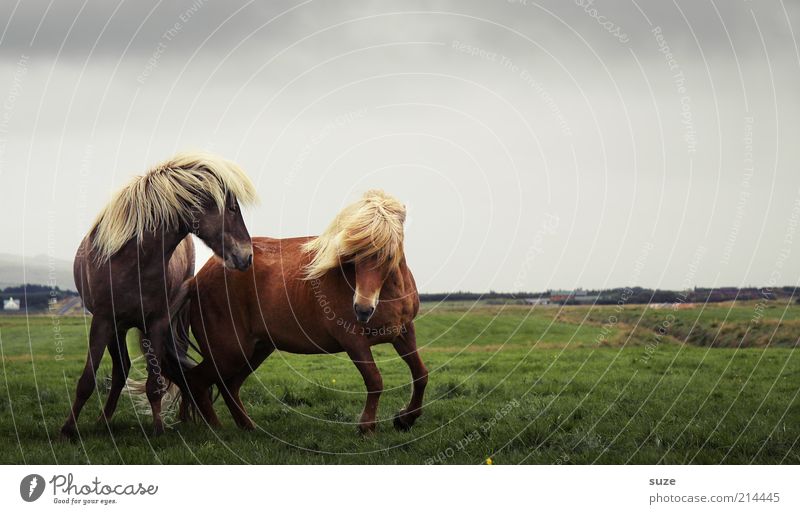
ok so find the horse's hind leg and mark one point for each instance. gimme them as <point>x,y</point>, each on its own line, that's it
<point>121,363</point>
<point>200,379</point>
<point>230,388</point>
<point>100,334</point>
<point>361,355</point>
<point>406,346</point>
<point>153,344</point>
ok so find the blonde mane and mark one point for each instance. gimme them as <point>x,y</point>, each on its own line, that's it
<point>372,226</point>
<point>166,196</point>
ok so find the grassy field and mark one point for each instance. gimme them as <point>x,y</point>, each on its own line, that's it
<point>539,386</point>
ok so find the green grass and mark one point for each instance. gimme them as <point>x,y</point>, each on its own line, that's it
<point>511,383</point>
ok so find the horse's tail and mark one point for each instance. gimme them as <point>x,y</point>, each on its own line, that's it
<point>176,360</point>
<point>137,387</point>
<point>180,309</point>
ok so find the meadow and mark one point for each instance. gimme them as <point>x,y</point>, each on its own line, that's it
<point>510,383</point>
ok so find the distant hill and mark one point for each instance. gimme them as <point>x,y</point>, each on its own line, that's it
<point>39,269</point>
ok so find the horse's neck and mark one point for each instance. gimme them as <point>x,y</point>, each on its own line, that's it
<point>157,247</point>
<point>395,286</point>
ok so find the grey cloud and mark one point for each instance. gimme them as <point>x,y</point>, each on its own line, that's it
<point>488,139</point>
<point>41,26</point>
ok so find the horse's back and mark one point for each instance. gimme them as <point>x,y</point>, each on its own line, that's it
<point>271,301</point>
<point>278,266</point>
<point>288,250</point>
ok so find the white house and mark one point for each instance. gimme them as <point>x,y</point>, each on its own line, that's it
<point>537,301</point>
<point>11,304</point>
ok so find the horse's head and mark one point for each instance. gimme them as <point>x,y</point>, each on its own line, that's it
<point>224,231</point>
<point>368,233</point>
<point>371,274</point>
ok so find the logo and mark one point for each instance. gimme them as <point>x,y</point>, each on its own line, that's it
<point>31,487</point>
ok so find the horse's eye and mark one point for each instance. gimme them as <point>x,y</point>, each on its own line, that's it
<point>232,208</point>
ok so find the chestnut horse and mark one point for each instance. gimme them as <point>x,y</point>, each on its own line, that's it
<point>136,258</point>
<point>343,291</point>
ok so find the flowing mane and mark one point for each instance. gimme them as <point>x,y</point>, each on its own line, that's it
<point>371,226</point>
<point>166,196</point>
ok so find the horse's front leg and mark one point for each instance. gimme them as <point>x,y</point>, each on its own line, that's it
<point>153,345</point>
<point>406,347</point>
<point>361,355</point>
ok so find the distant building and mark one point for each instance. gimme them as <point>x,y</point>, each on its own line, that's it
<point>537,301</point>
<point>561,296</point>
<point>576,296</point>
<point>11,304</point>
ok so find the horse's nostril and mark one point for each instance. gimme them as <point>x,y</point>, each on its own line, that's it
<point>363,313</point>
<point>242,263</point>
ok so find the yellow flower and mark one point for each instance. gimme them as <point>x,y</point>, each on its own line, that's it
<point>333,381</point>
<point>489,461</point>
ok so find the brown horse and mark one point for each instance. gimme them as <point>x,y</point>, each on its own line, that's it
<point>343,291</point>
<point>135,259</point>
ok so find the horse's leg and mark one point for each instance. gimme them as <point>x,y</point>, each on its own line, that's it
<point>361,355</point>
<point>121,362</point>
<point>406,346</point>
<point>100,333</point>
<point>200,379</point>
<point>230,388</point>
<point>153,344</point>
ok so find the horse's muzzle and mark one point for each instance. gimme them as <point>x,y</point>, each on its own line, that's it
<point>363,314</point>
<point>242,262</point>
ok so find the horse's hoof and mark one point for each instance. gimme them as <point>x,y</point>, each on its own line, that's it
<point>367,429</point>
<point>249,426</point>
<point>67,433</point>
<point>403,421</point>
<point>158,429</point>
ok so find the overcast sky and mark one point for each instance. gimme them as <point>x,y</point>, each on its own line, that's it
<point>537,145</point>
